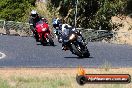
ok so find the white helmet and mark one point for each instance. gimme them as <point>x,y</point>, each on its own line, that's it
<point>33,13</point>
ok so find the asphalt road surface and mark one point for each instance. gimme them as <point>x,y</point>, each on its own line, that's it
<point>25,52</point>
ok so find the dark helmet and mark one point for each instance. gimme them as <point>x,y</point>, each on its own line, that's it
<point>34,13</point>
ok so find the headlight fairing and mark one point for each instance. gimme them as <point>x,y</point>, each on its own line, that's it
<point>57,28</point>
<point>73,36</point>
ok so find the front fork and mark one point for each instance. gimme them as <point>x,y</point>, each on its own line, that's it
<point>80,46</point>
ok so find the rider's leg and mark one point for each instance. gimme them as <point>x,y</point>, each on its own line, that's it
<point>64,42</point>
<point>35,35</point>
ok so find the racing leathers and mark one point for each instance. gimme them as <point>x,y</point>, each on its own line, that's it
<point>32,22</point>
<point>66,29</point>
<point>56,25</point>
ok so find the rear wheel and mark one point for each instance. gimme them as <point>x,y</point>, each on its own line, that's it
<point>50,40</point>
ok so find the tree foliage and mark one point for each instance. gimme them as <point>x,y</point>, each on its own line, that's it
<point>129,7</point>
<point>14,10</point>
<point>91,13</point>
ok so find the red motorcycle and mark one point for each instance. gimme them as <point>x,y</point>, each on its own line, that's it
<point>44,33</point>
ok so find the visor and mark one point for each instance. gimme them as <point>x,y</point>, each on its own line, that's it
<point>33,15</point>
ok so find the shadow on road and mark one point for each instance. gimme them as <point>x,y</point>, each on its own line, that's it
<point>77,57</point>
<point>39,44</point>
<point>45,44</point>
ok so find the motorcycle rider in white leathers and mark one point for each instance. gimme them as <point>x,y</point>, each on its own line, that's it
<point>66,29</point>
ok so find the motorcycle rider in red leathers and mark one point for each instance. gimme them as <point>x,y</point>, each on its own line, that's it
<point>34,18</point>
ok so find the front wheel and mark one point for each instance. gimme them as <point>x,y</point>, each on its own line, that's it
<point>59,39</point>
<point>86,53</point>
<point>76,50</point>
<point>43,41</point>
<point>50,40</point>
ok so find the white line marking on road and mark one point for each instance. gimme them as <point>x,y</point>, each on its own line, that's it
<point>2,55</point>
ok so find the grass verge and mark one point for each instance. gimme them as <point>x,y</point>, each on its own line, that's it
<point>54,77</point>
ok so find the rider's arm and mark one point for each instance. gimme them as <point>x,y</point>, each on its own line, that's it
<point>31,24</point>
<point>43,19</point>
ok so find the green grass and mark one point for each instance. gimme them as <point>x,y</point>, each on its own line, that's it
<point>54,80</point>
<point>43,82</point>
<point>50,82</point>
<point>3,83</point>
